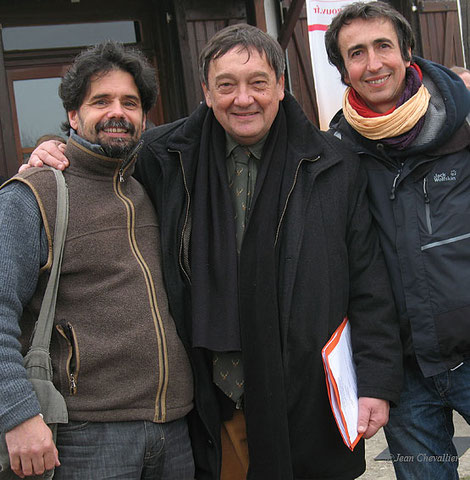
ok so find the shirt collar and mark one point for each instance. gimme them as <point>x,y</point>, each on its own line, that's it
<point>91,146</point>
<point>255,149</point>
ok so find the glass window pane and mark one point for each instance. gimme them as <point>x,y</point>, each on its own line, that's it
<point>39,109</point>
<point>63,36</point>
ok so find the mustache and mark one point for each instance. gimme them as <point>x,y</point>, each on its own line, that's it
<point>115,124</point>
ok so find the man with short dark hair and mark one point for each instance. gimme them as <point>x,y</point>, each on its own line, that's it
<point>406,118</point>
<point>116,355</point>
<point>267,245</point>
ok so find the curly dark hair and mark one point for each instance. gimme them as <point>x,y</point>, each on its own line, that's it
<point>246,37</point>
<point>101,59</point>
<point>367,11</point>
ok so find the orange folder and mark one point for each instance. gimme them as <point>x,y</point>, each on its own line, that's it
<point>341,383</point>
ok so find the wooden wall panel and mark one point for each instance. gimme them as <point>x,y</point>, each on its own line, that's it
<point>198,21</point>
<point>300,75</point>
<point>199,32</point>
<point>465,12</point>
<point>440,32</point>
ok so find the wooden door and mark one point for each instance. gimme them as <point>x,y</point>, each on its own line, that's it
<point>299,74</point>
<point>198,21</point>
<point>39,41</point>
<point>441,39</point>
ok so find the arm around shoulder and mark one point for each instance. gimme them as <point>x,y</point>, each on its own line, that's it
<point>49,153</point>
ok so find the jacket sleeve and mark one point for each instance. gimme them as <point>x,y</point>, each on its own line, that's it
<point>372,313</point>
<point>147,170</point>
<point>21,238</point>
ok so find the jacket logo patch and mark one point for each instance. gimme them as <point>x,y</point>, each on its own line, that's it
<point>445,177</point>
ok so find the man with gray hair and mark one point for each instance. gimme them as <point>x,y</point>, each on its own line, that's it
<point>267,245</point>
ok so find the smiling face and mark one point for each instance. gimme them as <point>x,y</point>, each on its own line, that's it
<point>111,113</point>
<point>244,94</point>
<point>374,64</point>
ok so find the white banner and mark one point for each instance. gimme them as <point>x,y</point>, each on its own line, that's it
<point>328,85</point>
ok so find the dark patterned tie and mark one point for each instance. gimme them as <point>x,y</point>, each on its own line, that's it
<point>228,374</point>
<point>228,367</point>
<point>241,191</point>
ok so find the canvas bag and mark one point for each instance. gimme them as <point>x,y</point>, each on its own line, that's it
<point>37,361</point>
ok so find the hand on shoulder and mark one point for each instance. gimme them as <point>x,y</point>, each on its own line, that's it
<point>49,153</point>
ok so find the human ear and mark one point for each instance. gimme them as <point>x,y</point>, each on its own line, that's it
<point>207,95</point>
<point>73,118</point>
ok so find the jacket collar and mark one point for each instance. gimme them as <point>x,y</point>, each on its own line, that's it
<point>305,141</point>
<point>85,161</point>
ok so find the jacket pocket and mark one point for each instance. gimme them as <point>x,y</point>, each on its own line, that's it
<point>72,365</point>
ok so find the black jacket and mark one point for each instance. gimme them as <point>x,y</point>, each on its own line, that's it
<point>420,201</point>
<point>331,266</point>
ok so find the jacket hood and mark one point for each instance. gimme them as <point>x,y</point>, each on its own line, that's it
<point>446,88</point>
<point>448,108</point>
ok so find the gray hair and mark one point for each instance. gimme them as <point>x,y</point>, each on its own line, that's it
<point>246,37</point>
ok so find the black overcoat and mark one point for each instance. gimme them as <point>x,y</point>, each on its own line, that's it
<point>330,266</point>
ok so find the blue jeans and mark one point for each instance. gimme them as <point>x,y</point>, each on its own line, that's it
<point>420,430</point>
<point>124,450</point>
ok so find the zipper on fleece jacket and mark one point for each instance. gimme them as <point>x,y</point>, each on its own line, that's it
<point>72,365</point>
<point>162,387</point>
<point>129,159</point>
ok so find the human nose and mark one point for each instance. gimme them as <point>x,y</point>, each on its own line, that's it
<point>243,96</point>
<point>115,110</point>
<point>374,61</point>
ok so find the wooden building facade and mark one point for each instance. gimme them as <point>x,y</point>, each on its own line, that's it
<point>40,38</point>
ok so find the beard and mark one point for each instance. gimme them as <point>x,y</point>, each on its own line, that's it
<point>117,147</point>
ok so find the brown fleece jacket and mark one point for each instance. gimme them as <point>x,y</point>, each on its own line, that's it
<point>115,350</point>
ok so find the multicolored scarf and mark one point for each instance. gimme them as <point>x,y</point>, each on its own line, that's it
<point>397,127</point>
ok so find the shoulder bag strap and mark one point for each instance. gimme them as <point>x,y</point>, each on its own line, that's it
<point>43,330</point>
